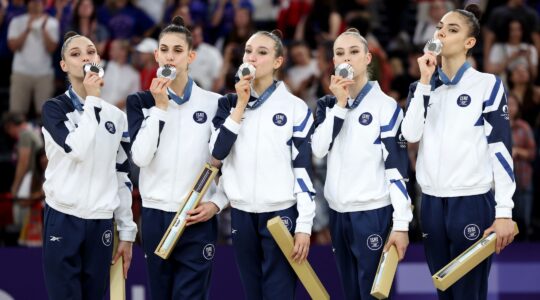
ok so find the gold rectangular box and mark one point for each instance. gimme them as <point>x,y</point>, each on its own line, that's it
<point>385,274</point>
<point>304,271</point>
<point>466,261</point>
<point>178,224</point>
<point>116,274</point>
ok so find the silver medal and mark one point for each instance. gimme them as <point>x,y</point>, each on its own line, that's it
<point>344,70</point>
<point>93,67</point>
<point>166,71</point>
<point>434,46</point>
<point>246,69</point>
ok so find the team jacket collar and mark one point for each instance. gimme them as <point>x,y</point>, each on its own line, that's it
<point>75,99</point>
<point>187,93</point>
<point>352,104</point>
<point>445,80</point>
<point>256,100</point>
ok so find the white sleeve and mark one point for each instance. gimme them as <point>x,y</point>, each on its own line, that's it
<point>146,142</point>
<point>413,123</point>
<point>327,130</point>
<point>127,229</point>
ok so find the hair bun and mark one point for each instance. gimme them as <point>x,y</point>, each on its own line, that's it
<point>277,33</point>
<point>69,34</point>
<point>178,21</point>
<point>475,10</point>
<point>352,29</point>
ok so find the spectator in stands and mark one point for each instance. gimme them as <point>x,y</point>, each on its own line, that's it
<point>223,15</point>
<point>8,11</point>
<point>145,61</point>
<point>62,11</point>
<point>124,20</point>
<point>528,95</point>
<point>33,37</point>
<point>507,55</point>
<point>28,144</point>
<point>425,28</point>
<point>500,18</point>
<point>322,23</point>
<point>523,153</point>
<point>121,79</point>
<point>290,14</point>
<point>234,49</point>
<point>193,12</point>
<point>206,67</point>
<point>302,75</point>
<point>85,21</point>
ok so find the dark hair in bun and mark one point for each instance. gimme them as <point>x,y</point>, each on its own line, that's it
<point>68,37</point>
<point>178,21</point>
<point>69,34</point>
<point>275,35</point>
<point>471,13</point>
<point>178,26</point>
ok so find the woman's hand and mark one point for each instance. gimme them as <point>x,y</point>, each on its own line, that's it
<point>202,213</point>
<point>158,88</point>
<point>301,247</point>
<point>339,86</point>
<point>124,251</point>
<point>92,84</point>
<point>401,240</point>
<point>427,64</point>
<point>504,229</point>
<point>243,90</point>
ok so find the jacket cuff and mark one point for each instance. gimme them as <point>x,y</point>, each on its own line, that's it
<point>220,200</point>
<point>503,212</point>
<point>127,236</point>
<point>400,226</point>
<point>232,125</point>
<point>424,89</point>
<point>339,111</point>
<point>303,227</point>
<point>158,113</point>
<point>93,101</point>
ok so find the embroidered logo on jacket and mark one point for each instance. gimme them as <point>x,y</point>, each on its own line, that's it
<point>287,221</point>
<point>374,242</point>
<point>471,232</point>
<point>505,113</point>
<point>402,142</point>
<point>110,127</point>
<point>208,251</point>
<point>464,100</point>
<point>200,117</point>
<point>365,119</point>
<point>107,238</point>
<point>279,119</point>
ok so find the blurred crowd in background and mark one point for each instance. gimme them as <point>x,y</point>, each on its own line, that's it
<point>125,33</point>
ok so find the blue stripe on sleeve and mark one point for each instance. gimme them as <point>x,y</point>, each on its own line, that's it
<point>480,121</point>
<point>392,123</point>
<point>401,187</point>
<point>302,185</point>
<point>505,165</point>
<point>491,99</point>
<point>304,122</point>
